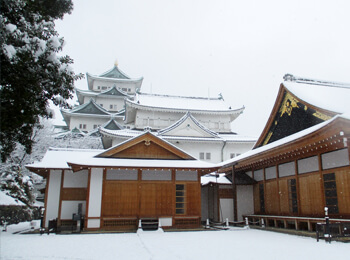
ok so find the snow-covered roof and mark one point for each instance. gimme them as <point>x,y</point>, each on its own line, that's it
<point>182,103</point>
<point>114,91</point>
<point>113,75</point>
<point>90,107</point>
<point>115,72</point>
<point>6,200</point>
<point>146,163</point>
<point>61,158</point>
<point>127,133</point>
<point>283,141</point>
<point>214,178</point>
<point>327,95</point>
<point>57,158</point>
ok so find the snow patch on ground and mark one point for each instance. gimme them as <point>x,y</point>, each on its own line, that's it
<point>230,244</point>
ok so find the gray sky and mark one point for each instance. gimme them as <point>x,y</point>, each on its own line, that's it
<point>241,49</point>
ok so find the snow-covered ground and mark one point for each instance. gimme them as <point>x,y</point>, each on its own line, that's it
<point>230,244</point>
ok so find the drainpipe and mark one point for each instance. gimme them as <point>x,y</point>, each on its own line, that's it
<point>222,151</point>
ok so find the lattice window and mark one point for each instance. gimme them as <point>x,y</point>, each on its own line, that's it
<point>180,207</point>
<point>262,198</point>
<point>293,197</point>
<point>330,193</point>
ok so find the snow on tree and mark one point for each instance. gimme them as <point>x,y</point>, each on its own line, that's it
<point>32,73</point>
<point>18,181</point>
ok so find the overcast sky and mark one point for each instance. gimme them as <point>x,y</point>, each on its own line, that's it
<point>241,49</point>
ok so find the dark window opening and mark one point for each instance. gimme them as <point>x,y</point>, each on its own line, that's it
<point>293,196</point>
<point>330,193</point>
<point>262,199</point>
<point>180,198</point>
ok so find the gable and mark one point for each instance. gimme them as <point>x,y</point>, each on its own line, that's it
<point>90,108</point>
<point>114,73</point>
<point>290,115</point>
<point>146,146</point>
<point>188,126</point>
<point>114,92</point>
<point>113,125</point>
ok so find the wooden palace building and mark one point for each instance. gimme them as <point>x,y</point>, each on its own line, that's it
<point>144,179</point>
<point>300,163</point>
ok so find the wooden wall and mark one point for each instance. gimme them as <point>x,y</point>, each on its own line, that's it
<point>310,193</point>
<point>142,199</point>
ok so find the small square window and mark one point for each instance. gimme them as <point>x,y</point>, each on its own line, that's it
<point>110,106</point>
<point>208,156</point>
<point>232,155</point>
<point>201,156</point>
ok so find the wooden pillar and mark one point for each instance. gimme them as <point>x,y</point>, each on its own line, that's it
<point>321,179</point>
<point>87,199</point>
<point>234,189</point>
<point>60,202</point>
<point>297,186</point>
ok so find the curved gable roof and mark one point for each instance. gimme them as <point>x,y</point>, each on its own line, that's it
<point>303,103</point>
<point>187,126</point>
<point>114,91</point>
<point>90,108</point>
<point>112,125</point>
<point>115,73</point>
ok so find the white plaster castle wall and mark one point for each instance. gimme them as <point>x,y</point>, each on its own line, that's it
<point>245,202</point>
<point>217,123</point>
<point>89,121</point>
<point>160,120</point>
<point>128,87</point>
<point>155,119</point>
<point>53,195</point>
<point>237,149</point>
<point>95,196</point>
<point>117,103</point>
<point>75,179</point>
<point>70,207</point>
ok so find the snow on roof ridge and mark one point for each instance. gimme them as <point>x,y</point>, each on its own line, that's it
<point>178,96</point>
<point>59,149</point>
<point>290,77</point>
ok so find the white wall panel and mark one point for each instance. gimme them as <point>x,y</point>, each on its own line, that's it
<point>95,196</point>
<point>53,195</point>
<point>93,223</point>
<point>70,207</point>
<point>226,209</point>
<point>245,201</point>
<point>75,179</point>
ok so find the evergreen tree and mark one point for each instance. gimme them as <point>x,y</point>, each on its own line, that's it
<point>32,73</point>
